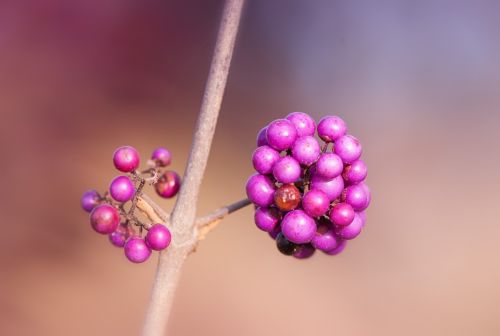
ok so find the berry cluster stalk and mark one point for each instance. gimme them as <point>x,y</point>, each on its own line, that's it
<point>184,228</point>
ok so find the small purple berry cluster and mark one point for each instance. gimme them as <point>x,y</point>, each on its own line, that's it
<point>113,213</point>
<point>308,195</point>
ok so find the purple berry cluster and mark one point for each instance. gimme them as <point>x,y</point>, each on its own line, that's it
<point>308,195</point>
<point>113,213</point>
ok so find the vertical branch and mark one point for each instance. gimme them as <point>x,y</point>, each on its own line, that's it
<point>183,216</point>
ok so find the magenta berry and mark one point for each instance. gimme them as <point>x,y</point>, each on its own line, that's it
<point>315,203</point>
<point>281,134</point>
<point>120,235</point>
<point>161,156</point>
<point>121,189</point>
<point>158,237</point>
<point>260,190</point>
<point>126,159</point>
<point>348,148</point>
<point>342,214</point>
<point>286,170</point>
<point>267,219</point>
<point>264,158</point>
<point>331,128</point>
<point>352,230</point>
<point>298,227</point>
<point>319,192</point>
<point>304,124</point>
<point>168,185</point>
<point>90,199</point>
<point>306,150</point>
<point>329,166</point>
<point>104,218</point>
<point>136,250</point>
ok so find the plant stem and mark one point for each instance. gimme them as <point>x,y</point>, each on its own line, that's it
<point>183,216</point>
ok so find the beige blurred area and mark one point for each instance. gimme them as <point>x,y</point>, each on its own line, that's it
<point>417,82</point>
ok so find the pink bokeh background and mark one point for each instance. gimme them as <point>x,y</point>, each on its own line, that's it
<point>417,82</point>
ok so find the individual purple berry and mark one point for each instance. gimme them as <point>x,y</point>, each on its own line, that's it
<point>304,124</point>
<point>281,134</point>
<point>120,235</point>
<point>355,172</point>
<point>304,251</point>
<point>341,246</point>
<point>284,245</point>
<point>325,238</point>
<point>298,227</point>
<point>352,230</point>
<point>261,137</point>
<point>315,203</point>
<point>357,196</point>
<point>329,165</point>
<point>161,156</point>
<point>158,237</point>
<point>332,188</point>
<point>264,158</point>
<point>168,185</point>
<point>126,159</point>
<point>90,199</point>
<point>342,214</point>
<point>104,218</point>
<point>331,128</point>
<point>267,219</point>
<point>274,232</point>
<point>306,150</point>
<point>286,170</point>
<point>136,250</point>
<point>121,189</point>
<point>287,197</point>
<point>260,190</point>
<point>348,148</point>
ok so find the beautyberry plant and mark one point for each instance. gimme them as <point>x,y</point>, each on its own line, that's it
<point>309,191</point>
<point>113,212</point>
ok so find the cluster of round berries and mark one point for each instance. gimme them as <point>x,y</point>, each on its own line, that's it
<point>308,196</point>
<point>113,214</point>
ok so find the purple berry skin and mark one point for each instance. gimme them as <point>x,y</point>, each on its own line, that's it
<point>355,172</point>
<point>331,128</point>
<point>298,227</point>
<point>329,165</point>
<point>304,251</point>
<point>121,189</point>
<point>332,188</point>
<point>261,137</point>
<point>260,190</point>
<point>161,156</point>
<point>275,232</point>
<point>126,159</point>
<point>281,134</point>
<point>352,230</point>
<point>358,196</point>
<point>267,219</point>
<point>120,235</point>
<point>168,185</point>
<point>315,203</point>
<point>287,170</point>
<point>325,238</point>
<point>306,150</point>
<point>104,218</point>
<point>158,237</point>
<point>337,249</point>
<point>342,214</point>
<point>264,158</point>
<point>304,124</point>
<point>136,250</point>
<point>90,199</point>
<point>348,148</point>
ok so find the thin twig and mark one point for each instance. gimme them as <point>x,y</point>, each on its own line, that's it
<point>183,216</point>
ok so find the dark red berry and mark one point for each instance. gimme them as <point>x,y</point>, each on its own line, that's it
<point>287,197</point>
<point>284,245</point>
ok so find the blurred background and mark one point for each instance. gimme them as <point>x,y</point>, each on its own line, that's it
<point>417,82</point>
